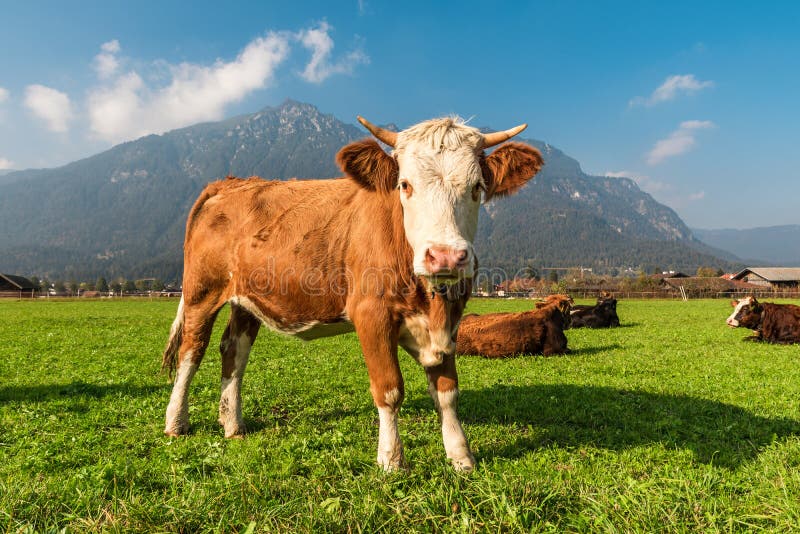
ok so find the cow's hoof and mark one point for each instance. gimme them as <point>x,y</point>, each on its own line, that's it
<point>236,433</point>
<point>464,464</point>
<point>391,464</point>
<point>176,432</point>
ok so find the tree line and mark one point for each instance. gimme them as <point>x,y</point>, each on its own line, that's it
<point>118,286</point>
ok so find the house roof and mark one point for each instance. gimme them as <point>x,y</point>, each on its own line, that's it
<point>19,282</point>
<point>772,274</point>
<point>668,274</point>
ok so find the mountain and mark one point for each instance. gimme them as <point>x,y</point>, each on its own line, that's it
<point>573,219</point>
<point>122,212</point>
<point>779,245</point>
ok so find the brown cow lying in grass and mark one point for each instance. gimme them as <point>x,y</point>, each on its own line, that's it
<point>773,323</point>
<point>499,335</point>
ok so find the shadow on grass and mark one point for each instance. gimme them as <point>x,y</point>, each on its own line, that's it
<point>619,419</point>
<point>73,389</point>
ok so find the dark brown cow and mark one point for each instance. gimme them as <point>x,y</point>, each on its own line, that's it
<point>386,251</point>
<point>773,323</point>
<point>500,335</point>
<point>600,315</point>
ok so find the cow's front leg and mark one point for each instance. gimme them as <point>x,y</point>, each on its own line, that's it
<point>378,337</point>
<point>235,350</point>
<point>443,388</point>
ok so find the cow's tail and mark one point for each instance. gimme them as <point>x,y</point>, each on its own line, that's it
<point>170,358</point>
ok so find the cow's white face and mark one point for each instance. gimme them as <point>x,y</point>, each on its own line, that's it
<point>441,174</point>
<point>733,320</point>
<point>440,187</point>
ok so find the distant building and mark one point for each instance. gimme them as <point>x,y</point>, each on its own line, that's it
<point>776,278</point>
<point>668,274</point>
<point>706,286</point>
<point>16,286</point>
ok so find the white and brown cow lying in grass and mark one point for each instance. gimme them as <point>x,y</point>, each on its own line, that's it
<point>367,252</point>
<point>774,323</point>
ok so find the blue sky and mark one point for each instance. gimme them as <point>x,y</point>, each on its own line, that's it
<point>696,101</point>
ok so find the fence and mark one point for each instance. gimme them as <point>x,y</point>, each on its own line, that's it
<point>669,294</point>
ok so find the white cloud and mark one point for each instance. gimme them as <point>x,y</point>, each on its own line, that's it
<point>671,88</point>
<point>50,105</point>
<point>125,107</point>
<point>319,68</point>
<point>3,94</point>
<point>678,142</point>
<point>6,164</point>
<point>700,195</point>
<point>106,62</point>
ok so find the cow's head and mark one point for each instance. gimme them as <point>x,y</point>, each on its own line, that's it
<point>441,173</point>
<point>562,302</point>
<point>608,307</point>
<point>746,313</point>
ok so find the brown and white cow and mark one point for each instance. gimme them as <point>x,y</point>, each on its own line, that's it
<point>385,251</point>
<point>773,323</point>
<point>500,335</point>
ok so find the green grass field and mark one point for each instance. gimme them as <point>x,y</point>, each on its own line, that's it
<point>669,423</point>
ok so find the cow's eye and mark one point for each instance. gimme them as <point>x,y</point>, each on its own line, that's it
<point>476,192</point>
<point>405,187</point>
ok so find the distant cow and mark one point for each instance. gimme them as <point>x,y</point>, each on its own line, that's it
<point>773,323</point>
<point>601,315</point>
<point>386,251</point>
<point>499,335</point>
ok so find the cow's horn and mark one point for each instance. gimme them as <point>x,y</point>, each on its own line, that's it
<point>388,137</point>
<point>498,137</point>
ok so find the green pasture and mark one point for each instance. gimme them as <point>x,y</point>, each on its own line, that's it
<point>669,423</point>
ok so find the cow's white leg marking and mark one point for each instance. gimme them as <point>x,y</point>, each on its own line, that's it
<point>390,449</point>
<point>455,442</point>
<point>230,400</point>
<point>177,420</point>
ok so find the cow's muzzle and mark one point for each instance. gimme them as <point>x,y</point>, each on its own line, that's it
<point>447,262</point>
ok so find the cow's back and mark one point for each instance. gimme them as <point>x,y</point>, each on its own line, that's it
<point>498,335</point>
<point>265,240</point>
<point>781,323</point>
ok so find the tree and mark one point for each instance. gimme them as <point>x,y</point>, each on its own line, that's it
<point>116,287</point>
<point>129,286</point>
<point>553,277</point>
<point>707,272</point>
<point>101,285</point>
<point>157,285</point>
<point>35,282</point>
<point>60,287</point>
<point>72,287</point>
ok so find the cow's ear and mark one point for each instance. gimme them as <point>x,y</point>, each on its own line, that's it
<point>367,163</point>
<point>734,303</point>
<point>510,167</point>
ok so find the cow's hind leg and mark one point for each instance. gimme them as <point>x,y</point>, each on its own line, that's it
<point>443,388</point>
<point>197,326</point>
<point>235,350</point>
